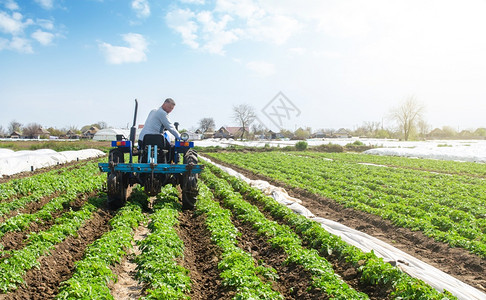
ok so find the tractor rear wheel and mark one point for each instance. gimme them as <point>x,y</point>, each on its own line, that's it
<point>117,183</point>
<point>189,182</point>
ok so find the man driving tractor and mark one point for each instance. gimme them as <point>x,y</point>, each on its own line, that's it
<point>158,120</point>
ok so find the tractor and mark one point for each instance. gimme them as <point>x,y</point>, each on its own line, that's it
<point>158,164</point>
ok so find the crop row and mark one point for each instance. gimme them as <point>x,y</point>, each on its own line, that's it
<point>157,264</point>
<point>323,276</point>
<point>238,270</point>
<point>73,190</point>
<point>34,188</point>
<point>15,263</point>
<point>94,272</point>
<point>48,182</point>
<point>372,270</point>
<point>448,208</point>
<point>442,166</point>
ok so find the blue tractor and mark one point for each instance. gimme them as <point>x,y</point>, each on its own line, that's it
<point>158,164</point>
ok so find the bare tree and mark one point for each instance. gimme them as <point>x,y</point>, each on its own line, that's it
<point>101,125</point>
<point>3,132</point>
<point>14,126</point>
<point>206,124</point>
<point>423,128</point>
<point>244,114</point>
<point>32,130</point>
<point>407,116</point>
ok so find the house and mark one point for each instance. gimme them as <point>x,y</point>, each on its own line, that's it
<point>319,135</point>
<point>208,134</point>
<point>236,132</point>
<point>71,135</point>
<point>15,135</point>
<point>41,133</point>
<point>222,133</point>
<point>342,133</point>
<point>230,132</point>
<point>90,132</point>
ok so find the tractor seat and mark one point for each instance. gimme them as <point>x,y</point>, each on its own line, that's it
<point>156,139</point>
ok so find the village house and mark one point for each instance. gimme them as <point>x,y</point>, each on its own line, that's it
<point>89,134</point>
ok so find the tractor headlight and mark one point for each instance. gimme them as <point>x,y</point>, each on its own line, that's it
<point>184,136</point>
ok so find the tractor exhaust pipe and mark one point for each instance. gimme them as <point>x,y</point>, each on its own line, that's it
<point>133,130</point>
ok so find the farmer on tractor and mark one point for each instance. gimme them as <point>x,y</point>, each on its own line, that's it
<point>158,120</point>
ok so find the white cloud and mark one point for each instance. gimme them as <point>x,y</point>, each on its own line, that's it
<point>43,37</point>
<point>215,33</point>
<point>141,8</point>
<point>199,2</point>
<point>181,21</point>
<point>13,24</point>
<point>134,53</point>
<point>21,45</point>
<point>46,4</point>
<point>261,68</point>
<point>230,21</point>
<point>12,5</point>
<point>46,24</point>
<point>276,29</point>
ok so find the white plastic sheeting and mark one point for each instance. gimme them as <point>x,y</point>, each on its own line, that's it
<point>457,152</point>
<point>409,264</point>
<point>109,134</point>
<point>12,162</point>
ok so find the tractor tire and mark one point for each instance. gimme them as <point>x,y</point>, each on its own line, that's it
<point>117,184</point>
<point>189,182</point>
<point>190,157</point>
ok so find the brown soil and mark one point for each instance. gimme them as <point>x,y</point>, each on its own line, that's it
<point>127,286</point>
<point>457,262</point>
<point>293,282</point>
<point>201,258</point>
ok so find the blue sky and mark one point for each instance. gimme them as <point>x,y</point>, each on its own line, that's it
<point>334,63</point>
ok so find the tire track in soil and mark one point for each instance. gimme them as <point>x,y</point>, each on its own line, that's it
<point>457,262</point>
<point>201,258</point>
<point>43,283</point>
<point>127,286</point>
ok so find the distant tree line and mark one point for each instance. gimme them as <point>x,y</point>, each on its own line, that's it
<point>407,119</point>
<point>34,130</point>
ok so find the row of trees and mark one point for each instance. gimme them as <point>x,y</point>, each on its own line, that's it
<point>408,119</point>
<point>32,129</point>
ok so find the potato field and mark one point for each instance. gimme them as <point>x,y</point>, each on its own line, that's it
<point>59,240</point>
